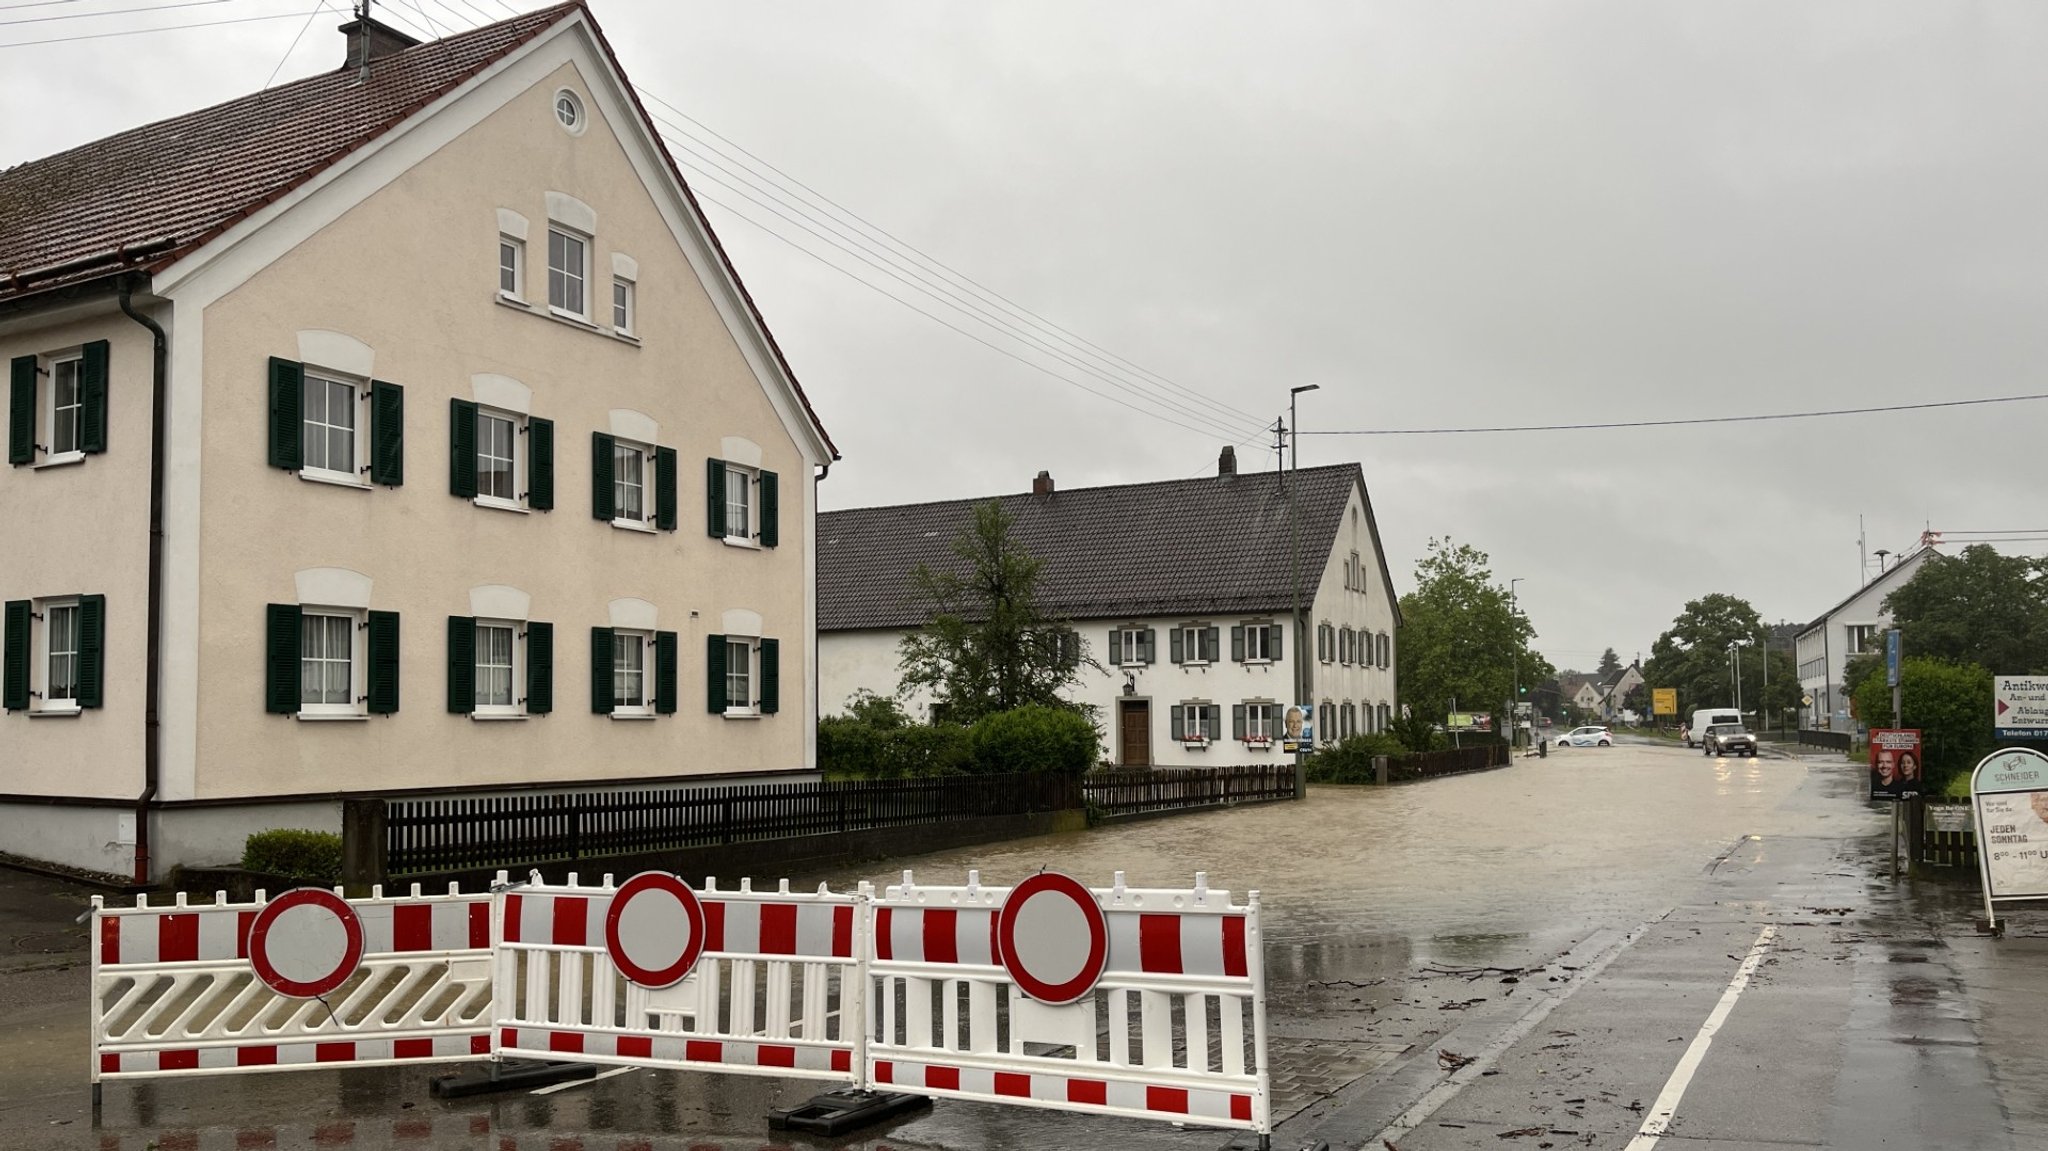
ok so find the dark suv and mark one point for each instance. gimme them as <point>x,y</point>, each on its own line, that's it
<point>1728,739</point>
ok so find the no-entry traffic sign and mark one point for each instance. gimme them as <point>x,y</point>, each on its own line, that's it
<point>1053,937</point>
<point>306,943</point>
<point>655,929</point>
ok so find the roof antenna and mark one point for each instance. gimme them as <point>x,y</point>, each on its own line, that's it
<point>363,14</point>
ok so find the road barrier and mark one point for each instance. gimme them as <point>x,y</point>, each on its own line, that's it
<point>1118,1001</point>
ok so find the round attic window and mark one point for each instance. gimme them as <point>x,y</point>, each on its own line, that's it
<point>569,112</point>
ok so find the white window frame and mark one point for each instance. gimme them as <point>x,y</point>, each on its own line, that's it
<point>1858,643</point>
<point>1256,636</point>
<point>1191,644</point>
<point>578,120</point>
<point>40,678</point>
<point>645,521</point>
<point>358,704</point>
<point>645,708</point>
<point>1189,724</point>
<point>358,389</point>
<point>517,500</point>
<point>624,305</point>
<point>517,248</point>
<point>515,704</point>
<point>1130,646</point>
<point>752,671</point>
<point>747,481</point>
<point>51,455</point>
<point>1260,721</point>
<point>581,273</point>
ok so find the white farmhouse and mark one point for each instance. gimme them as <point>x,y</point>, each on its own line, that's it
<point>1850,628</point>
<point>1184,590</point>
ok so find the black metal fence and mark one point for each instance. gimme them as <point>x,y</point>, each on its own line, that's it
<point>432,836</point>
<point>1832,740</point>
<point>1137,790</point>
<point>1424,764</point>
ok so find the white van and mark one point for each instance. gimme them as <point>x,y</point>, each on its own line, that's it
<point>1707,717</point>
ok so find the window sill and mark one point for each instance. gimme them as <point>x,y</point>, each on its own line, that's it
<point>634,526</point>
<point>60,460</point>
<point>741,542</point>
<point>625,337</point>
<point>333,479</point>
<point>1194,663</point>
<point>55,712</point>
<point>498,505</point>
<point>481,717</point>
<point>626,715</point>
<point>351,717</point>
<point>505,297</point>
<point>567,319</point>
<point>741,713</point>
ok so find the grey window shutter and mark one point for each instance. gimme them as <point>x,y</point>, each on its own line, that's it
<point>21,412</point>
<point>1237,721</point>
<point>771,510</point>
<point>383,669</point>
<point>540,464</point>
<point>1175,644</point>
<point>92,400</point>
<point>601,693</point>
<point>665,672</point>
<point>281,658</point>
<point>665,489</point>
<point>14,665</point>
<point>540,668</point>
<point>1273,641</point>
<point>1237,643</point>
<point>771,676</point>
<point>462,449</point>
<point>461,665</point>
<point>1116,656</point>
<point>714,669</point>
<point>1212,645</point>
<point>92,650</point>
<point>601,476</point>
<point>287,420</point>
<point>387,434</point>
<point>1146,652</point>
<point>1212,725</point>
<point>1179,722</point>
<point>714,500</point>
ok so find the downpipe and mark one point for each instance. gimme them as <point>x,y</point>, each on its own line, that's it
<point>152,671</point>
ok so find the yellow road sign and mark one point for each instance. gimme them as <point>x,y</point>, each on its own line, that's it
<point>1664,700</point>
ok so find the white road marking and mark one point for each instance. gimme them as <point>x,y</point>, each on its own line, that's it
<point>1659,1119</point>
<point>551,1088</point>
<point>1464,1076</point>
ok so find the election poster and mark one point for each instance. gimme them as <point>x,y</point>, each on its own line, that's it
<point>1897,765</point>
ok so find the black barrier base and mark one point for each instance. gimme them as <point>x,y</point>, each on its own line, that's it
<point>1250,1142</point>
<point>837,1112</point>
<point>510,1075</point>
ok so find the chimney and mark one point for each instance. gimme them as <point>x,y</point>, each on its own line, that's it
<point>1226,464</point>
<point>1042,486</point>
<point>380,40</point>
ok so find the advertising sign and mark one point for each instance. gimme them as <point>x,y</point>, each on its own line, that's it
<point>2009,791</point>
<point>1298,732</point>
<point>2020,710</point>
<point>1896,763</point>
<point>1664,700</point>
<point>1469,721</point>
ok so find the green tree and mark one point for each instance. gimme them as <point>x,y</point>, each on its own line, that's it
<point>1949,702</point>
<point>1610,666</point>
<point>1978,607</point>
<point>1461,637</point>
<point>989,647</point>
<point>1692,655</point>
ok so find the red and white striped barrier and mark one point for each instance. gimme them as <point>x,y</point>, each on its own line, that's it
<point>302,979</point>
<point>1070,973</point>
<point>651,973</point>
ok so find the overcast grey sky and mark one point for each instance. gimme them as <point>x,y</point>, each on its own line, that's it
<point>1444,214</point>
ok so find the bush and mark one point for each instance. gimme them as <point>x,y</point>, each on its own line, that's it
<point>877,741</point>
<point>925,750</point>
<point>1351,760</point>
<point>1034,739</point>
<point>1948,702</point>
<point>313,856</point>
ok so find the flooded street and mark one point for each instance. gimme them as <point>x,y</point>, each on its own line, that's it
<point>1521,954</point>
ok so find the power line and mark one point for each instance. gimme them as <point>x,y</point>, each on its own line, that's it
<point>112,12</point>
<point>162,28</point>
<point>295,43</point>
<point>1685,422</point>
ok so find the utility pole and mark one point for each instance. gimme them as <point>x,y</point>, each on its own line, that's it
<point>1301,689</point>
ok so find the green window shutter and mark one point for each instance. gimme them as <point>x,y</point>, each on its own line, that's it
<point>462,449</point>
<point>14,665</point>
<point>461,664</point>
<point>1237,721</point>
<point>714,500</point>
<point>387,434</point>
<point>771,509</point>
<point>21,412</point>
<point>1175,644</point>
<point>1115,648</point>
<point>540,465</point>
<point>92,400</point>
<point>1179,724</point>
<point>281,658</point>
<point>540,668</point>
<point>601,505</point>
<point>1146,649</point>
<point>1274,641</point>
<point>287,421</point>
<point>92,650</point>
<point>714,667</point>
<point>1237,644</point>
<point>665,673</point>
<point>665,489</point>
<point>383,657</point>
<point>601,670</point>
<point>1212,649</point>
<point>771,676</point>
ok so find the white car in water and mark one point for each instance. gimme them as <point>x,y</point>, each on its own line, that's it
<point>1586,737</point>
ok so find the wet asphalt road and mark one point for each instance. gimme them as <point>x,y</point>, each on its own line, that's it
<point>1517,958</point>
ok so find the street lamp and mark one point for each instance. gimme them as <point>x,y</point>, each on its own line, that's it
<point>1735,664</point>
<point>1514,726</point>
<point>1301,690</point>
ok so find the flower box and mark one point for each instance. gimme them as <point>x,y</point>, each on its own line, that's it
<point>1195,742</point>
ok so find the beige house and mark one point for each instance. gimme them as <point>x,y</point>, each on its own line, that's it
<point>403,429</point>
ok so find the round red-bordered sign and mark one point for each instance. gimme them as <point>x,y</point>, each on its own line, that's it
<point>1054,937</point>
<point>654,931</point>
<point>306,943</point>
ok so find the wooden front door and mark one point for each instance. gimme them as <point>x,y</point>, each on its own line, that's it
<point>1134,718</point>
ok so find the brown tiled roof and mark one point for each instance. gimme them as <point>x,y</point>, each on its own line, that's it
<point>1215,545</point>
